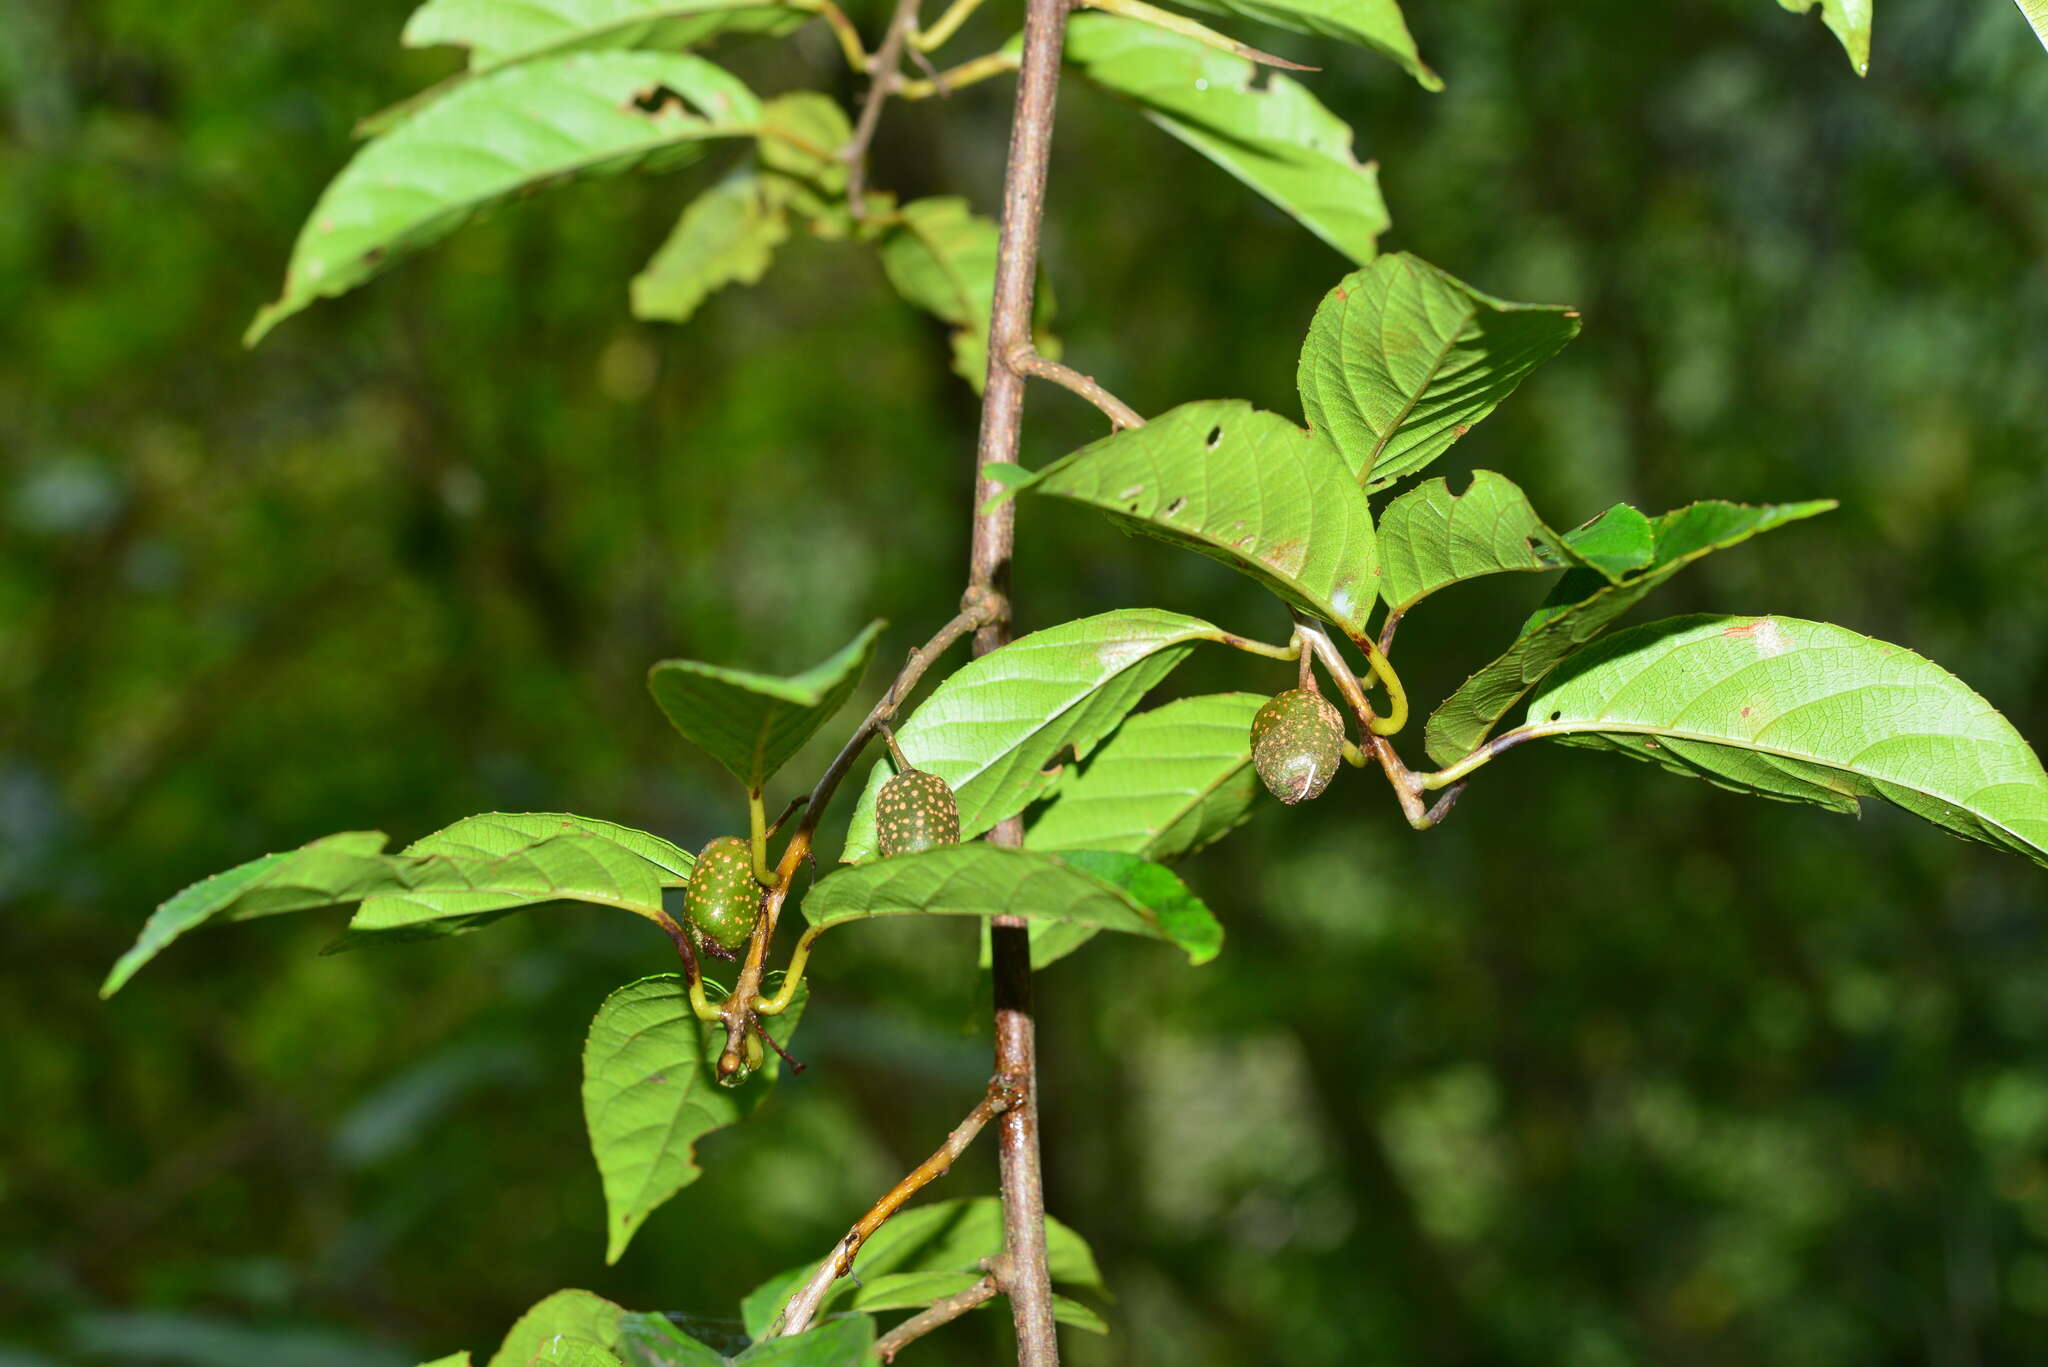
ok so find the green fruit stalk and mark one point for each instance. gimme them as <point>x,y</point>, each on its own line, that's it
<point>915,811</point>
<point>1297,744</point>
<point>724,899</point>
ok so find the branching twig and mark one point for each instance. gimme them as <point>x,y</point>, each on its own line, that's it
<point>803,1306</point>
<point>1120,414</point>
<point>942,1311</point>
<point>953,77</point>
<point>884,76</point>
<point>1406,784</point>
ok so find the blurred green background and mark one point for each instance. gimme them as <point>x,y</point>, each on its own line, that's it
<point>1612,1069</point>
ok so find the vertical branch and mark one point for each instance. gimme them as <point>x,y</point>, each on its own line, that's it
<point>1002,406</point>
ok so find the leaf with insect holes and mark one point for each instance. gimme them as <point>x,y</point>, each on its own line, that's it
<point>1588,601</point>
<point>566,1314</point>
<point>941,256</point>
<point>754,723</point>
<point>517,130</point>
<point>1402,359</point>
<point>997,728</point>
<point>1095,888</point>
<point>1168,782</point>
<point>1276,137</point>
<point>351,867</point>
<point>1375,24</point>
<point>1431,538</point>
<point>1250,489</point>
<point>1849,21</point>
<point>650,1092</point>
<point>943,1240</point>
<point>1805,712</point>
<point>727,235</point>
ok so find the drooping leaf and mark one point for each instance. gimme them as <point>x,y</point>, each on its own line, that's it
<point>1097,888</point>
<point>593,113</point>
<point>1248,488</point>
<point>996,728</point>
<point>754,723</point>
<point>1431,538</point>
<point>1276,137</point>
<point>727,235</point>
<point>1168,782</point>
<point>941,256</point>
<point>1376,24</point>
<point>566,1314</point>
<point>351,868</point>
<point>801,134</point>
<point>847,1341</point>
<point>1584,604</point>
<point>1807,712</point>
<point>1402,360</point>
<point>1849,21</point>
<point>946,1239</point>
<point>1147,13</point>
<point>650,1092</point>
<point>1615,542</point>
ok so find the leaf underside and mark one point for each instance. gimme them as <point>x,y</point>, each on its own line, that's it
<point>1374,24</point>
<point>1849,21</point>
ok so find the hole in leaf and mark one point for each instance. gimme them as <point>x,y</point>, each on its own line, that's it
<point>1215,436</point>
<point>1554,716</point>
<point>1176,506</point>
<point>656,100</point>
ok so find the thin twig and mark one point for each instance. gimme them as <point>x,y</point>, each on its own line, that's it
<point>954,77</point>
<point>1026,1278</point>
<point>1387,629</point>
<point>802,1308</point>
<point>885,75</point>
<point>1120,414</point>
<point>944,1310</point>
<point>1406,784</point>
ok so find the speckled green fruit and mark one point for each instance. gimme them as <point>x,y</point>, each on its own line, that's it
<point>724,898</point>
<point>915,811</point>
<point>1297,744</point>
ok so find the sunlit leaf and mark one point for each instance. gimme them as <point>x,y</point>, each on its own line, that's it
<point>727,235</point>
<point>500,32</point>
<point>650,1092</point>
<point>944,1241</point>
<point>1402,360</point>
<point>753,723</point>
<point>2036,12</point>
<point>1807,712</point>
<point>566,1314</point>
<point>1248,488</point>
<point>847,1341</point>
<point>452,1360</point>
<point>1584,604</point>
<point>1376,24</point>
<point>1849,21</point>
<point>408,889</point>
<point>998,728</point>
<point>1117,892</point>
<point>1276,137</point>
<point>520,129</point>
<point>565,1351</point>
<point>941,256</point>
<point>1168,782</point>
<point>1431,538</point>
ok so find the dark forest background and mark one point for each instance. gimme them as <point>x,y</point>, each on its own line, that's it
<point>1612,1069</point>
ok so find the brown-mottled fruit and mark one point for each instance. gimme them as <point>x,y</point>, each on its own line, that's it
<point>1297,743</point>
<point>915,811</point>
<point>724,898</point>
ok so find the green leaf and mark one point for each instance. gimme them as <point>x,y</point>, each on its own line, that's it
<point>1098,888</point>
<point>727,234</point>
<point>1376,24</point>
<point>351,868</point>
<point>1075,1315</point>
<point>1584,604</point>
<point>566,1314</point>
<point>1614,542</point>
<point>501,32</point>
<point>1806,712</point>
<point>943,1240</point>
<point>844,1342</point>
<point>754,723</point>
<point>996,728</point>
<point>941,257</point>
<point>497,136</point>
<point>1276,138</point>
<point>563,1351</point>
<point>2036,12</point>
<point>654,1341</point>
<point>650,1092</point>
<point>1849,21</point>
<point>1402,360</point>
<point>1242,486</point>
<point>501,833</point>
<point>1431,538</point>
<point>1169,782</point>
<point>452,1360</point>
<point>570,868</point>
